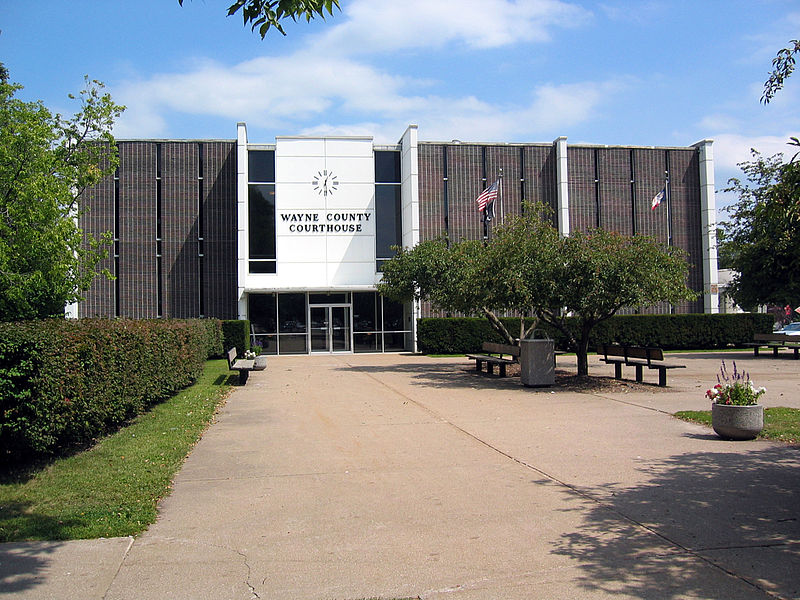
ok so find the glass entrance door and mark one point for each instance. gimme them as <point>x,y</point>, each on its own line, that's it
<point>330,328</point>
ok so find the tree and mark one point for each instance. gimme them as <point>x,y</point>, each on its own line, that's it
<point>46,162</point>
<point>263,14</point>
<point>602,272</point>
<point>509,275</point>
<point>530,269</point>
<point>724,250</point>
<point>763,233</point>
<point>782,67</point>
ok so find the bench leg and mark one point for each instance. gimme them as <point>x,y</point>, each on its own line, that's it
<point>775,351</point>
<point>489,368</point>
<point>243,375</point>
<point>617,370</point>
<point>755,351</point>
<point>502,370</point>
<point>662,377</point>
<point>478,365</point>
<point>796,356</point>
<point>639,377</point>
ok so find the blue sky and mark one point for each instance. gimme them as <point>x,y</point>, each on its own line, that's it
<point>650,72</point>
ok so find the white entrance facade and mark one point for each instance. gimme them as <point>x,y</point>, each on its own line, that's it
<point>316,218</point>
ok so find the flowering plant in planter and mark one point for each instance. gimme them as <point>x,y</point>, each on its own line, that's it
<point>736,389</point>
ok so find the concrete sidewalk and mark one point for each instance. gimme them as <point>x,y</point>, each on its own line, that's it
<point>398,476</point>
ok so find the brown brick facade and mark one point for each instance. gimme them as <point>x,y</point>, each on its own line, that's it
<point>172,210</point>
<point>608,187</point>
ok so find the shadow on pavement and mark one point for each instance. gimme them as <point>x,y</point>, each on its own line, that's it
<point>21,565</point>
<point>442,375</point>
<point>739,512</point>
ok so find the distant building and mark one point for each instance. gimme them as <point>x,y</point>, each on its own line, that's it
<point>726,303</point>
<point>292,234</point>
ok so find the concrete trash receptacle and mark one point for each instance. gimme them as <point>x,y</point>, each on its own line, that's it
<point>537,362</point>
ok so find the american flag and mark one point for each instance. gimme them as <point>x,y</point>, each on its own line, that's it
<point>488,196</point>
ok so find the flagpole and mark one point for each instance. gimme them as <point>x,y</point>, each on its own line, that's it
<point>500,197</point>
<point>668,199</point>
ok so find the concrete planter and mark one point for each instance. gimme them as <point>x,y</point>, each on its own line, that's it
<point>737,422</point>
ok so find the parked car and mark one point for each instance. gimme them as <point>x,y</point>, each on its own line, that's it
<point>791,329</point>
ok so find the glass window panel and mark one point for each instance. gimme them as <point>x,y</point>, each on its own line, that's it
<point>261,166</point>
<point>388,220</point>
<point>328,298</point>
<point>393,316</point>
<point>262,266</point>
<point>387,166</point>
<point>394,341</point>
<point>292,313</point>
<point>292,344</point>
<point>269,343</point>
<point>364,311</point>
<point>262,311</point>
<point>367,342</point>
<point>261,213</point>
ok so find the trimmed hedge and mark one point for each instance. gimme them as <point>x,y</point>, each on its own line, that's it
<point>670,332</point>
<point>64,383</point>
<point>236,334</point>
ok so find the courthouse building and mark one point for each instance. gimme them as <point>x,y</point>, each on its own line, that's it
<point>292,234</point>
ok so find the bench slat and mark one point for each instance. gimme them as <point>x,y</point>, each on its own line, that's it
<point>495,348</point>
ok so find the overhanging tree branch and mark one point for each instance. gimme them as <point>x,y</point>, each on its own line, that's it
<point>266,14</point>
<point>782,67</point>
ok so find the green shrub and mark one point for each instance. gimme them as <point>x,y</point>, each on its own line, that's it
<point>236,334</point>
<point>64,383</point>
<point>212,336</point>
<point>671,332</point>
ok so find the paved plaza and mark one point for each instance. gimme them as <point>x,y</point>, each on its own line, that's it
<point>400,476</point>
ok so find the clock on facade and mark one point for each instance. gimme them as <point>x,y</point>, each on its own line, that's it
<point>325,182</point>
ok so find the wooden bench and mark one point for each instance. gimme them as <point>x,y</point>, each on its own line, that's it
<point>244,366</point>
<point>636,356</point>
<point>495,354</point>
<point>776,341</point>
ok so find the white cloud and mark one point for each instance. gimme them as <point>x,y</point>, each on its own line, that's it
<point>731,148</point>
<point>270,92</point>
<point>719,122</point>
<point>325,82</point>
<point>288,93</point>
<point>372,26</point>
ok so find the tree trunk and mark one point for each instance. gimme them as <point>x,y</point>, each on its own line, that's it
<point>526,332</point>
<point>583,359</point>
<point>582,351</point>
<point>498,326</point>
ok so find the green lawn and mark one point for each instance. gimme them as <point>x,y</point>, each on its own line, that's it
<point>112,489</point>
<point>780,424</point>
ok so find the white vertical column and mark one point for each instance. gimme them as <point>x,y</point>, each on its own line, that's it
<point>562,185</point>
<point>241,217</point>
<point>409,177</point>
<point>71,309</point>
<point>708,220</point>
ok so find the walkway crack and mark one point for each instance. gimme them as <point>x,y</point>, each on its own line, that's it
<point>119,566</point>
